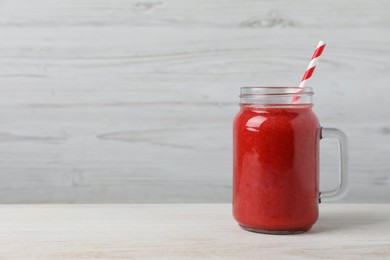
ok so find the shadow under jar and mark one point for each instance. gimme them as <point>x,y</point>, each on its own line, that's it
<point>276,161</point>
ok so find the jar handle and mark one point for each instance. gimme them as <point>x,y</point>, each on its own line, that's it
<point>342,187</point>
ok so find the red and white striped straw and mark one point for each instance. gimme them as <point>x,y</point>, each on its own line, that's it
<point>313,63</point>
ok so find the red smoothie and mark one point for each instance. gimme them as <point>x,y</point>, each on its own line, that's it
<point>276,165</point>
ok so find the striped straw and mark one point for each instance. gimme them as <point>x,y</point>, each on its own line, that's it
<point>312,65</point>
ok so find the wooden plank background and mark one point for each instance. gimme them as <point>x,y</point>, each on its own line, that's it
<point>132,101</point>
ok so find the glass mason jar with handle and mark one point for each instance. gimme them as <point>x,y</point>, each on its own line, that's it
<point>276,161</point>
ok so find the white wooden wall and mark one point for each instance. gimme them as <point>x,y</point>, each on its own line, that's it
<point>132,101</point>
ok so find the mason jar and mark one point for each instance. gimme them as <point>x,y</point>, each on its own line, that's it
<point>276,140</point>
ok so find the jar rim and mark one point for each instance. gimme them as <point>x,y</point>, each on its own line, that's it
<point>275,90</point>
<point>276,96</point>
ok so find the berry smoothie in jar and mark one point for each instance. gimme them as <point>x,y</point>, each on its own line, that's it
<point>276,160</point>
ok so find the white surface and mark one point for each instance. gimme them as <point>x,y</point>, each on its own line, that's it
<point>191,231</point>
<point>132,101</point>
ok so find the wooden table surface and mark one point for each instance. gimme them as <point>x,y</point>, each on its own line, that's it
<point>185,231</point>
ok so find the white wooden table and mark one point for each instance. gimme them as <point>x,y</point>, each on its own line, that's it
<point>184,231</point>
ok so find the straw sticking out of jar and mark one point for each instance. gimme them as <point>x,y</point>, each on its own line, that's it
<point>311,67</point>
